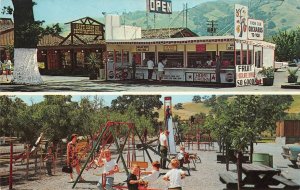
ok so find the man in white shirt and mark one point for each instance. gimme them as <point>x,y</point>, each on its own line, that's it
<point>109,168</point>
<point>163,140</point>
<point>150,65</point>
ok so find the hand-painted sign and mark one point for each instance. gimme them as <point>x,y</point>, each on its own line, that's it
<point>86,29</point>
<point>241,22</point>
<point>245,75</point>
<point>159,6</point>
<point>255,29</point>
<point>170,48</point>
<point>142,48</point>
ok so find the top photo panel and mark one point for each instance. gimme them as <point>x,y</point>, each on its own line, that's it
<point>249,46</point>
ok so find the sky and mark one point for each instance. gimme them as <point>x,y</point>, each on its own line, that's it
<point>107,98</point>
<point>62,11</point>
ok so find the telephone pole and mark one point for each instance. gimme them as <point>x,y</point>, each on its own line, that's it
<point>211,27</point>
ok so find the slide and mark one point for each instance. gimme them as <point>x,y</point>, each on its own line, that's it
<point>172,144</point>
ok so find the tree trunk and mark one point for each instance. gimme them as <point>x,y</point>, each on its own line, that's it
<point>26,38</point>
<point>251,152</point>
<point>227,157</point>
<point>239,169</point>
<point>26,69</point>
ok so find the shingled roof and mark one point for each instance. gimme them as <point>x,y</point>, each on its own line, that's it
<point>163,33</point>
<point>6,24</point>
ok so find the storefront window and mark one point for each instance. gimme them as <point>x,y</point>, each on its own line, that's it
<point>125,57</point>
<point>201,59</point>
<point>227,59</point>
<point>174,59</point>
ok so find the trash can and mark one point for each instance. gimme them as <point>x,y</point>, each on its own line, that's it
<point>263,158</point>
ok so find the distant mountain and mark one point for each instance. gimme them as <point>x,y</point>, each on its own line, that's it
<point>276,14</point>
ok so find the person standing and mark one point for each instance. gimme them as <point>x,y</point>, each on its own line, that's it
<point>133,64</point>
<point>8,67</point>
<point>218,69</point>
<point>163,139</point>
<point>150,65</point>
<point>161,67</point>
<point>49,161</point>
<point>72,157</point>
<point>175,176</point>
<point>110,167</point>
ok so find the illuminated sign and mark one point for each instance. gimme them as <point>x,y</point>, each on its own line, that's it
<point>159,6</point>
<point>86,29</point>
<point>142,48</point>
<point>170,48</point>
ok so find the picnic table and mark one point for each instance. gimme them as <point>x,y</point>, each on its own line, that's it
<point>260,176</point>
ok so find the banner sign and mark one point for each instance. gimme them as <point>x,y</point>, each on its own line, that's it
<point>86,29</point>
<point>142,48</point>
<point>159,6</point>
<point>241,22</point>
<point>170,48</point>
<point>245,75</point>
<point>255,29</point>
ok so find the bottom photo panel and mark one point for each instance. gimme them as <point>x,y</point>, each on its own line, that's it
<point>153,142</point>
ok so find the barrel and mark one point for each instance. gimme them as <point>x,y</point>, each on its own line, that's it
<point>263,158</point>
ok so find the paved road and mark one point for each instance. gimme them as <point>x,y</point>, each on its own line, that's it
<point>83,84</point>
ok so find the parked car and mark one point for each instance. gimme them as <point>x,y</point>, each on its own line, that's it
<point>291,152</point>
<point>281,65</point>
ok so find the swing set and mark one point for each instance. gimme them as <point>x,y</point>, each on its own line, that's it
<point>110,134</point>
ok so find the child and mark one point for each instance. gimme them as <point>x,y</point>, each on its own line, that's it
<point>109,168</point>
<point>175,176</point>
<point>49,161</point>
<point>152,175</point>
<point>132,179</point>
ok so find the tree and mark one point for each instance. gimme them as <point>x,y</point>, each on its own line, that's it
<point>197,99</point>
<point>144,105</point>
<point>27,33</point>
<point>178,106</point>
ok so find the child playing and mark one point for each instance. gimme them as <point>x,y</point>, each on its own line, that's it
<point>132,179</point>
<point>49,161</point>
<point>153,175</point>
<point>110,167</point>
<point>175,176</point>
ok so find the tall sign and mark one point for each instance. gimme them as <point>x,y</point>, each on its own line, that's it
<point>241,22</point>
<point>159,6</point>
<point>255,29</point>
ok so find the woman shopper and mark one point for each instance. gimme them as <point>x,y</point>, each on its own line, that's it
<point>161,68</point>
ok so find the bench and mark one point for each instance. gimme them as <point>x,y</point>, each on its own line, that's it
<point>288,183</point>
<point>229,180</point>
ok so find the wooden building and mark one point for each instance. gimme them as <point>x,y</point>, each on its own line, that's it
<point>6,36</point>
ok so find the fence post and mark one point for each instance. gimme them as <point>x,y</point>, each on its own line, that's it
<point>10,166</point>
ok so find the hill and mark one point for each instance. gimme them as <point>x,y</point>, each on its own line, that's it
<point>190,108</point>
<point>275,14</point>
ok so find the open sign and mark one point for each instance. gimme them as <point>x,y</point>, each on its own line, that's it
<point>159,6</point>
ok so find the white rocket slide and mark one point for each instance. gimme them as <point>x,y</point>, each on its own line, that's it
<point>172,144</point>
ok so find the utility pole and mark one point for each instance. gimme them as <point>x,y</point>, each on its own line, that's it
<point>211,27</point>
<point>186,16</point>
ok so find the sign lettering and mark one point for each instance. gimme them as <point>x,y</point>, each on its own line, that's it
<point>256,29</point>
<point>159,6</point>
<point>86,29</point>
<point>245,75</point>
<point>170,48</point>
<point>142,48</point>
